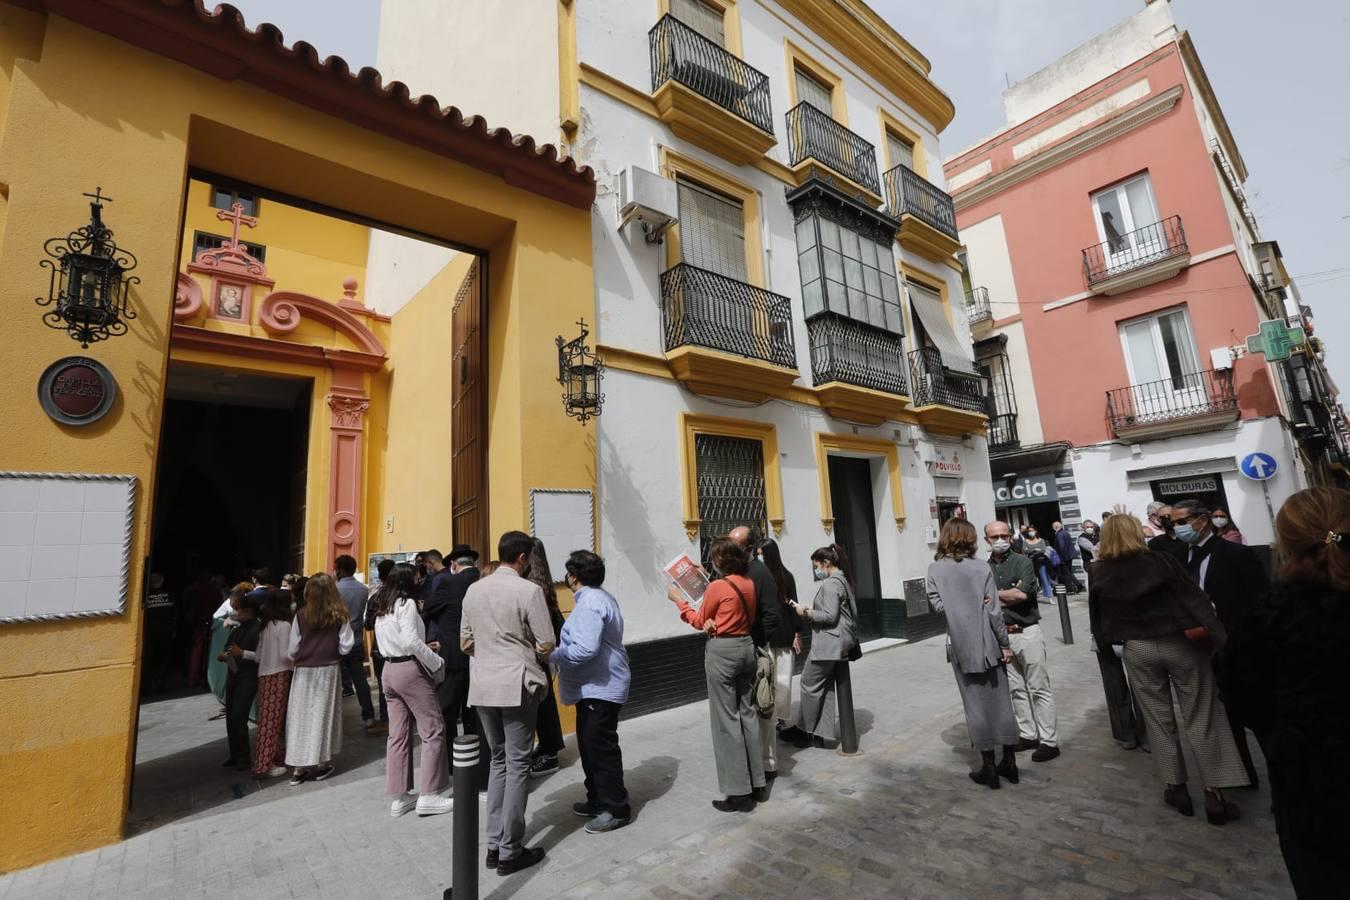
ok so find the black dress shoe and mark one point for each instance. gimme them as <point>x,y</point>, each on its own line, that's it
<point>1177,797</point>
<point>1026,744</point>
<point>743,803</point>
<point>986,775</point>
<point>491,859</point>
<point>528,856</point>
<point>1044,753</point>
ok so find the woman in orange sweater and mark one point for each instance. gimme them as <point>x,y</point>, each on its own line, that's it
<point>727,610</point>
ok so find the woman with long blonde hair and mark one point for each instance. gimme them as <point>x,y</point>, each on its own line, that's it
<point>320,636</point>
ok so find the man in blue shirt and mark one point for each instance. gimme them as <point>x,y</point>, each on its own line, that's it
<point>593,673</point>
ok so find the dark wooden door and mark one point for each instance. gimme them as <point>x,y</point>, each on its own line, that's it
<point>855,529</point>
<point>468,411</point>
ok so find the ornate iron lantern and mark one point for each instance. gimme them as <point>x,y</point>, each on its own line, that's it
<point>579,372</point>
<point>89,284</point>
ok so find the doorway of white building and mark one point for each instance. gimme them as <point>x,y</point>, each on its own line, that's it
<point>855,529</point>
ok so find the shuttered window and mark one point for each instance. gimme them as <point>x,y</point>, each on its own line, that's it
<point>901,151</point>
<point>811,90</point>
<point>712,231</point>
<point>704,18</point>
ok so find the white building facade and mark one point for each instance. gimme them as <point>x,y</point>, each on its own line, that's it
<point>780,318</point>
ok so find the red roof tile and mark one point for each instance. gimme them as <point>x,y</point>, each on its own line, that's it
<point>220,43</point>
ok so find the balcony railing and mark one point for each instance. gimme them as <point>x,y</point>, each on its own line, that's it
<point>681,54</point>
<point>932,382</point>
<point>1180,397</point>
<point>1134,249</point>
<point>1003,431</point>
<point>812,134</point>
<point>909,192</point>
<point>704,309</point>
<point>854,353</point>
<point>977,305</point>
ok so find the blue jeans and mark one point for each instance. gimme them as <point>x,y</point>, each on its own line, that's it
<point>1043,573</point>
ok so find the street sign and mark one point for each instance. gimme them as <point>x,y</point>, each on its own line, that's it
<point>1258,466</point>
<point>1276,340</point>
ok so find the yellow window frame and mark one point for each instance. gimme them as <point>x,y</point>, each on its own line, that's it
<point>933,283</point>
<point>890,125</point>
<point>674,165</point>
<point>731,21</point>
<point>827,443</point>
<point>692,425</point>
<point>797,58</point>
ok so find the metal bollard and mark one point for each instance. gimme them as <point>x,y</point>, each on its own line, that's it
<point>1065,626</point>
<point>843,694</point>
<point>464,853</point>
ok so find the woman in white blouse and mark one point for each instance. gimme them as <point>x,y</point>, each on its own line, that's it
<point>411,669</point>
<point>275,668</point>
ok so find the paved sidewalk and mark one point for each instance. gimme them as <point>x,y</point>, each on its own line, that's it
<point>901,820</point>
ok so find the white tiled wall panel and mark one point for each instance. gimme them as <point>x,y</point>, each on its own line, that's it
<point>63,544</point>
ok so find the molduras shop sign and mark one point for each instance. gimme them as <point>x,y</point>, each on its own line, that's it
<point>1026,490</point>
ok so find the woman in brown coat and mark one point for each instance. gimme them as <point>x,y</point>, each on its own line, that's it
<point>1170,631</point>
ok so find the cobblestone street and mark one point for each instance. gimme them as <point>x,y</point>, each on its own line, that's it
<point>901,820</point>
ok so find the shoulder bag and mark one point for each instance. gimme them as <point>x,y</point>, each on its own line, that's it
<point>763,690</point>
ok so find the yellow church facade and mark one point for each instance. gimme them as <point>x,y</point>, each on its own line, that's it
<point>156,104</point>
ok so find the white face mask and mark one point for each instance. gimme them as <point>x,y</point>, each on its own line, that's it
<point>1001,545</point>
<point>1219,521</point>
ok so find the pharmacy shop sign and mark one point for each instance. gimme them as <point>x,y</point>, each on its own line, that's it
<point>1027,490</point>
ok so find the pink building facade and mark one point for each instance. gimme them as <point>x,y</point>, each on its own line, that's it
<point>1115,271</point>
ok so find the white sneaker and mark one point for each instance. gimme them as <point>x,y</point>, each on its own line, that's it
<point>404,803</point>
<point>275,772</point>
<point>434,804</point>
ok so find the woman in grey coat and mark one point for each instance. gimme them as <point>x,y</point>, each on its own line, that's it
<point>962,587</point>
<point>833,617</point>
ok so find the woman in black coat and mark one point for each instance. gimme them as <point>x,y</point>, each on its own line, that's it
<point>1283,673</point>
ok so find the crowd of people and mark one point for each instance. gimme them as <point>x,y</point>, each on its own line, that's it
<point>1191,637</point>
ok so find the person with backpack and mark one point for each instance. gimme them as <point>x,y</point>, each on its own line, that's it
<point>728,606</point>
<point>833,617</point>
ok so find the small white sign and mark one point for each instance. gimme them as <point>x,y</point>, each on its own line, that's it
<point>65,544</point>
<point>947,461</point>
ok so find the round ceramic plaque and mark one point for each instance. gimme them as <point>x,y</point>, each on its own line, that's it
<point>77,390</point>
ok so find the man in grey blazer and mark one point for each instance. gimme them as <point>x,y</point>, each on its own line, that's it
<point>507,630</point>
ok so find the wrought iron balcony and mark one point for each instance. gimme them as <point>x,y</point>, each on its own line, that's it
<point>932,382</point>
<point>704,309</point>
<point>853,353</point>
<point>1182,403</point>
<point>1003,432</point>
<point>909,192</point>
<point>1142,248</point>
<point>977,305</point>
<point>681,54</point>
<point>813,134</point>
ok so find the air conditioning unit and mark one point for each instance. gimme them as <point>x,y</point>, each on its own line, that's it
<point>647,198</point>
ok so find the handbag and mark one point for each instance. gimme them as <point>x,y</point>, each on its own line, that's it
<point>763,690</point>
<point>1053,556</point>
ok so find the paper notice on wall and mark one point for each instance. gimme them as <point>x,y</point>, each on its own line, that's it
<point>688,577</point>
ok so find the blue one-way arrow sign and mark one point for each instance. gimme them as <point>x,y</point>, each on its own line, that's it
<point>1258,466</point>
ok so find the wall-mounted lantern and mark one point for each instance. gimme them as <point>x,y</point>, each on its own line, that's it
<point>89,284</point>
<point>579,372</point>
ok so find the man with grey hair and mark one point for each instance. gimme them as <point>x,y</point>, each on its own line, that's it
<point>1232,576</point>
<point>1163,541</point>
<point>1028,676</point>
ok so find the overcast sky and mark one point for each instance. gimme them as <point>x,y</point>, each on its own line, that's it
<point>1281,72</point>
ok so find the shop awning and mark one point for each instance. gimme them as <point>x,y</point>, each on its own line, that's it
<point>927,305</point>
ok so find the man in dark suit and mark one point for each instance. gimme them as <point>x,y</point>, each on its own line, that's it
<point>1230,574</point>
<point>444,607</point>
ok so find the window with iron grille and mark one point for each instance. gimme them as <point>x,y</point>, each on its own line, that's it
<point>730,483</point>
<point>813,91</point>
<point>712,231</point>
<point>205,240</point>
<point>704,18</point>
<point>225,198</point>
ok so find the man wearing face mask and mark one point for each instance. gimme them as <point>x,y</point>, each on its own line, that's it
<point>1165,541</point>
<point>1028,675</point>
<point>772,629</point>
<point>1230,574</point>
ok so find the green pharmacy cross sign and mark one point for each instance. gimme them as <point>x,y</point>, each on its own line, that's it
<point>1276,340</point>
